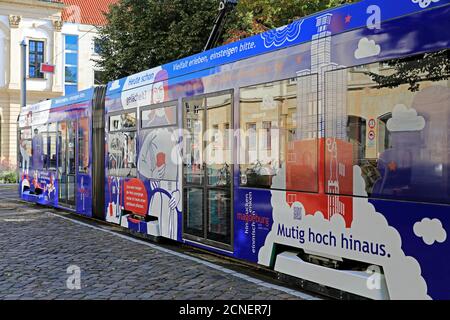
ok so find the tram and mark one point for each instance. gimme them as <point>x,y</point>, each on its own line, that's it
<point>319,149</point>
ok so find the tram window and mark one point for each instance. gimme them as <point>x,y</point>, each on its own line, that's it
<point>122,141</point>
<point>52,136</point>
<point>218,136</point>
<point>122,154</point>
<point>396,133</point>
<point>25,149</point>
<point>279,135</point>
<point>83,145</point>
<point>208,139</point>
<point>45,151</point>
<point>39,147</point>
<point>124,121</point>
<point>193,141</point>
<point>384,137</point>
<point>159,117</point>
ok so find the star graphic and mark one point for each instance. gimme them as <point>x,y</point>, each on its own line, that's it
<point>348,18</point>
<point>392,166</point>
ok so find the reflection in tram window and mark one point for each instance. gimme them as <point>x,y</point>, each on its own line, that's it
<point>83,145</point>
<point>219,220</point>
<point>208,167</point>
<point>218,136</point>
<point>194,211</point>
<point>279,142</point>
<point>395,134</point>
<point>384,136</point>
<point>122,154</point>
<point>71,150</point>
<point>25,145</point>
<point>39,147</point>
<point>208,143</point>
<point>193,161</point>
<point>52,134</point>
<point>124,121</point>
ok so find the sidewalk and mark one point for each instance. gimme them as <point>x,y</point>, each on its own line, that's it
<point>42,252</point>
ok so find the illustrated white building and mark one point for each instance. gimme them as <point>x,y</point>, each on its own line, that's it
<point>334,95</point>
<point>330,111</point>
<point>58,32</point>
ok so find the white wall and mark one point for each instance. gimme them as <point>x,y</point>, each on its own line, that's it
<point>4,25</point>
<point>86,35</point>
<point>39,30</point>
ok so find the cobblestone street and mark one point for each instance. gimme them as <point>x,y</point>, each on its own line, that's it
<point>38,245</point>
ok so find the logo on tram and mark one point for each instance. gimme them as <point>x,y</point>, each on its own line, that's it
<point>424,3</point>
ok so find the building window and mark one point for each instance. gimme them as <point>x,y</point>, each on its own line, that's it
<point>35,58</point>
<point>71,64</point>
<point>356,135</point>
<point>97,46</point>
<point>267,138</point>
<point>71,74</point>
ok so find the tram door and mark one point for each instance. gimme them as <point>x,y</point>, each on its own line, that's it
<point>66,164</point>
<point>208,170</point>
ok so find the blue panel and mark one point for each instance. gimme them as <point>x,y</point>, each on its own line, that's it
<point>72,59</point>
<point>71,43</point>
<point>433,259</point>
<point>70,89</point>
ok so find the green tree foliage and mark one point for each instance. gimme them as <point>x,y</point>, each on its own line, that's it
<point>142,34</point>
<point>255,16</point>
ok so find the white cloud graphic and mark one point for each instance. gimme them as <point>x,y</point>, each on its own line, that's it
<point>115,85</point>
<point>404,119</point>
<point>367,48</point>
<point>430,231</point>
<point>403,272</point>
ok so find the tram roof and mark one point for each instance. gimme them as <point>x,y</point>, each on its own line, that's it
<point>300,31</point>
<point>79,97</point>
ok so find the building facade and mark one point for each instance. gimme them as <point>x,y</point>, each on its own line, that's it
<point>59,32</point>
